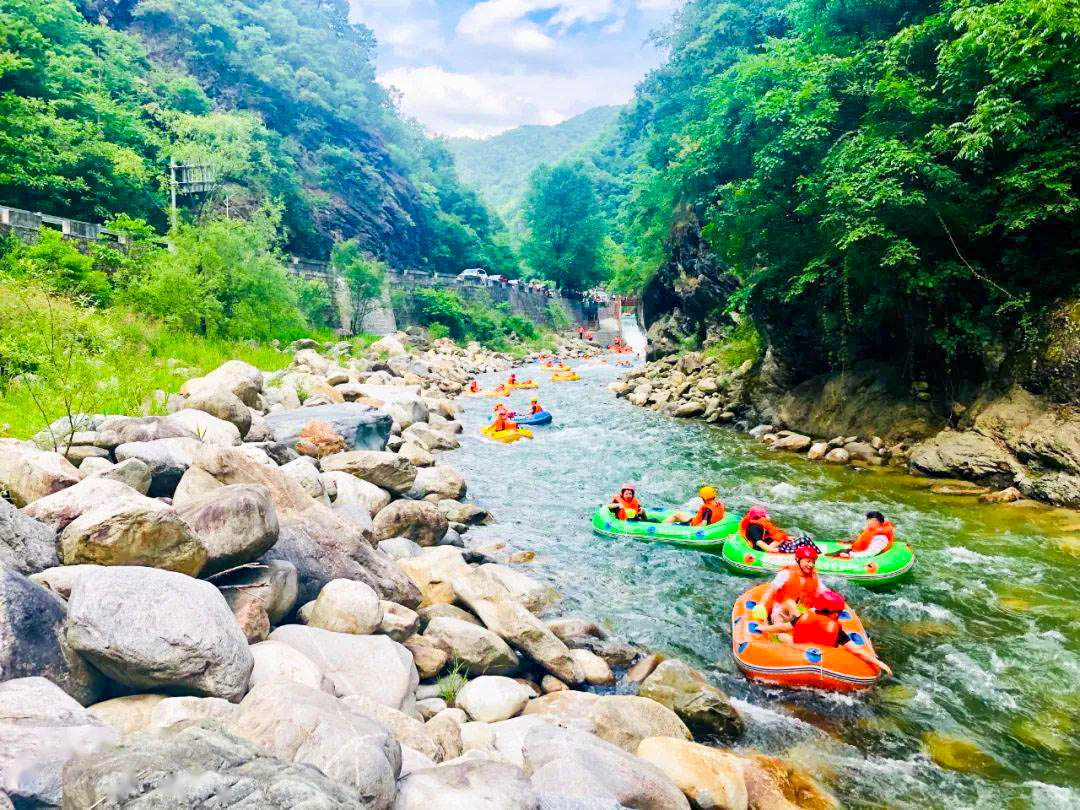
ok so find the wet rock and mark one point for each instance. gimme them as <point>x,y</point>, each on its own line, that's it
<point>959,488</point>
<point>235,524</point>
<point>521,588</point>
<point>593,667</point>
<point>417,520</point>
<point>168,460</point>
<point>817,451</point>
<point>152,629</point>
<point>133,530</point>
<point>704,708</point>
<point>26,545</point>
<point>32,640</point>
<point>41,729</point>
<point>361,426</point>
<point>549,684</point>
<point>774,784</point>
<point>838,455</point>
<point>962,454</point>
<point>27,473</point>
<point>959,754</point>
<point>793,443</point>
<point>568,628</point>
<point>644,668</point>
<point>863,453</point>
<point>372,666</point>
<point>467,786</point>
<point>481,651</point>
<point>208,428</point>
<point>466,513</point>
<point>711,779</point>
<point>345,606</point>
<point>201,767</point>
<point>491,698</point>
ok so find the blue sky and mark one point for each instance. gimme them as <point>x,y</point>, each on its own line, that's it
<point>479,68</point>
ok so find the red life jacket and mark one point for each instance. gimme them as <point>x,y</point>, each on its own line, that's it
<point>867,536</point>
<point>536,408</point>
<point>770,532</point>
<point>814,629</point>
<point>713,509</point>
<point>626,505</point>
<point>799,586</point>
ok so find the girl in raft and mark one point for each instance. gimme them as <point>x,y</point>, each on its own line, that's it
<point>474,388</point>
<point>502,419</point>
<point>762,534</point>
<point>625,505</point>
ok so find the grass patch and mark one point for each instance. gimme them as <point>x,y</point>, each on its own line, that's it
<point>452,682</point>
<point>740,345</point>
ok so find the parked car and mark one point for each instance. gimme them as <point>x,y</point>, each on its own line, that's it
<point>474,275</point>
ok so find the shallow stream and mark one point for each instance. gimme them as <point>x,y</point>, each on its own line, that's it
<point>985,707</point>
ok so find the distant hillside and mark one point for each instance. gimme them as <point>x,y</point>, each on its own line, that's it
<point>499,167</point>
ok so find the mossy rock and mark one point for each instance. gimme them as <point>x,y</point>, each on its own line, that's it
<point>959,754</point>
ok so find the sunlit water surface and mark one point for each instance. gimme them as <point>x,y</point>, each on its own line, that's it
<point>983,637</point>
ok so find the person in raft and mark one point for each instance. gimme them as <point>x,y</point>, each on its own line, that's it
<point>794,587</point>
<point>821,625</point>
<point>502,419</point>
<point>876,538</point>
<point>709,509</point>
<point>511,380</point>
<point>535,407</point>
<point>473,387</point>
<point>762,534</point>
<point>625,505</point>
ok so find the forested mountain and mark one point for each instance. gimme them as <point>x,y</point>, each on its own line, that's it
<point>895,181</point>
<point>499,167</point>
<point>278,96</point>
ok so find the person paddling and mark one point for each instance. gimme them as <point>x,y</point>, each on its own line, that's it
<point>876,538</point>
<point>625,505</point>
<point>794,587</point>
<point>502,419</point>
<point>535,407</point>
<point>709,510</point>
<point>820,625</point>
<point>473,387</point>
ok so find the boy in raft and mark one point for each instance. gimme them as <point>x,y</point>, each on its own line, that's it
<point>535,407</point>
<point>473,387</point>
<point>710,510</point>
<point>763,535</point>
<point>794,586</point>
<point>625,505</point>
<point>511,380</point>
<point>876,538</point>
<point>821,625</point>
<point>502,419</point>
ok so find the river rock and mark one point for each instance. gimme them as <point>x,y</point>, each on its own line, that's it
<point>711,779</point>
<point>152,629</point>
<point>186,709</point>
<point>213,397</point>
<point>361,426</point>
<point>468,514</point>
<point>273,585</point>
<point>406,730</point>
<point>372,666</point>
<point>838,455</point>
<point>201,767</point>
<point>300,724</point>
<point>480,650</point>
<point>444,482</point>
<point>345,606</point>
<point>521,588</point>
<point>430,439</point>
<point>570,762</point>
<point>26,545</point>
<point>133,530</point>
<point>124,430</point>
<point>623,720</point>
<point>277,661</point>
<point>235,523</point>
<point>416,520</point>
<point>445,729</point>
<point>704,708</point>
<point>427,614</point>
<point>304,472</point>
<point>477,736</point>
<point>1007,495</point>
<point>416,455</point>
<point>351,490</point>
<point>168,460</point>
<point>427,656</point>
<point>818,451</point>
<point>690,409</point>
<point>593,667</point>
<point>59,509</point>
<point>32,640</point>
<point>491,698</point>
<point>194,484</point>
<point>386,470</point>
<point>127,714</point>
<point>776,784</point>
<point>963,454</point>
<point>41,729</point>
<point>793,443</point>
<point>467,785</point>
<point>27,473</point>
<point>208,428</point>
<point>398,621</point>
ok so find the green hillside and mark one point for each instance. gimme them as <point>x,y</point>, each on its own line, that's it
<point>499,167</point>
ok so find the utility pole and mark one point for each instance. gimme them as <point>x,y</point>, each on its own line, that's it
<point>172,189</point>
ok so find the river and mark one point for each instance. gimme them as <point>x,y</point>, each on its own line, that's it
<point>985,707</point>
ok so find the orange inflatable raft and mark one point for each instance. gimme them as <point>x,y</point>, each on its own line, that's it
<point>806,665</point>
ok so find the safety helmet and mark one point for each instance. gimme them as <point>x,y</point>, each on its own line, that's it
<point>533,399</point>
<point>831,601</point>
<point>628,486</point>
<point>499,407</point>
<point>806,553</point>
<point>757,512</point>
<point>707,492</point>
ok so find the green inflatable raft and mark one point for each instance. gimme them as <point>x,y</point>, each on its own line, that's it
<point>702,538</point>
<point>882,569</point>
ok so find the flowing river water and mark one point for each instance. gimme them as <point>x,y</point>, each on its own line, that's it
<point>984,711</point>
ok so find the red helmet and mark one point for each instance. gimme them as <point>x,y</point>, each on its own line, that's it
<point>628,486</point>
<point>830,600</point>
<point>806,553</point>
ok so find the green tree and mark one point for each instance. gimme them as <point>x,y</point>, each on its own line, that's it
<point>566,233</point>
<point>364,277</point>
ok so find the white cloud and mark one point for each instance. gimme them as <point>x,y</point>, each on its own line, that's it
<point>486,103</point>
<point>508,22</point>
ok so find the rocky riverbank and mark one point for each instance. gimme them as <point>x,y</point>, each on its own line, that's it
<point>1004,446</point>
<point>270,598</point>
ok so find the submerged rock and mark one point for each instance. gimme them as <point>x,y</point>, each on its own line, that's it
<point>704,708</point>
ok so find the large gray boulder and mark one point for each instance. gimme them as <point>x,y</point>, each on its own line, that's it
<point>704,708</point>
<point>964,454</point>
<point>27,473</point>
<point>300,724</point>
<point>350,490</point>
<point>151,629</point>
<point>123,430</point>
<point>168,460</point>
<point>440,480</point>
<point>417,520</point>
<point>200,767</point>
<point>59,509</point>
<point>370,666</point>
<point>32,639</point>
<point>574,763</point>
<point>387,470</point>
<point>214,397</point>
<point>362,427</point>
<point>467,785</point>
<point>26,545</point>
<point>41,728</point>
<point>481,651</point>
<point>235,524</point>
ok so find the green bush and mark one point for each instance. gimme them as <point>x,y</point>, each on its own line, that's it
<point>492,325</point>
<point>437,331</point>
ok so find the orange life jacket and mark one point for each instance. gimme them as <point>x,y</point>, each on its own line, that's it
<point>536,408</point>
<point>502,423</point>
<point>626,505</point>
<point>812,628</point>
<point>512,380</point>
<point>473,386</point>
<point>712,510</point>
<point>864,539</point>
<point>799,586</point>
<point>770,532</point>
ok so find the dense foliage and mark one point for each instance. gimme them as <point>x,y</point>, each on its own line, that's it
<point>277,96</point>
<point>447,313</point>
<point>891,180</point>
